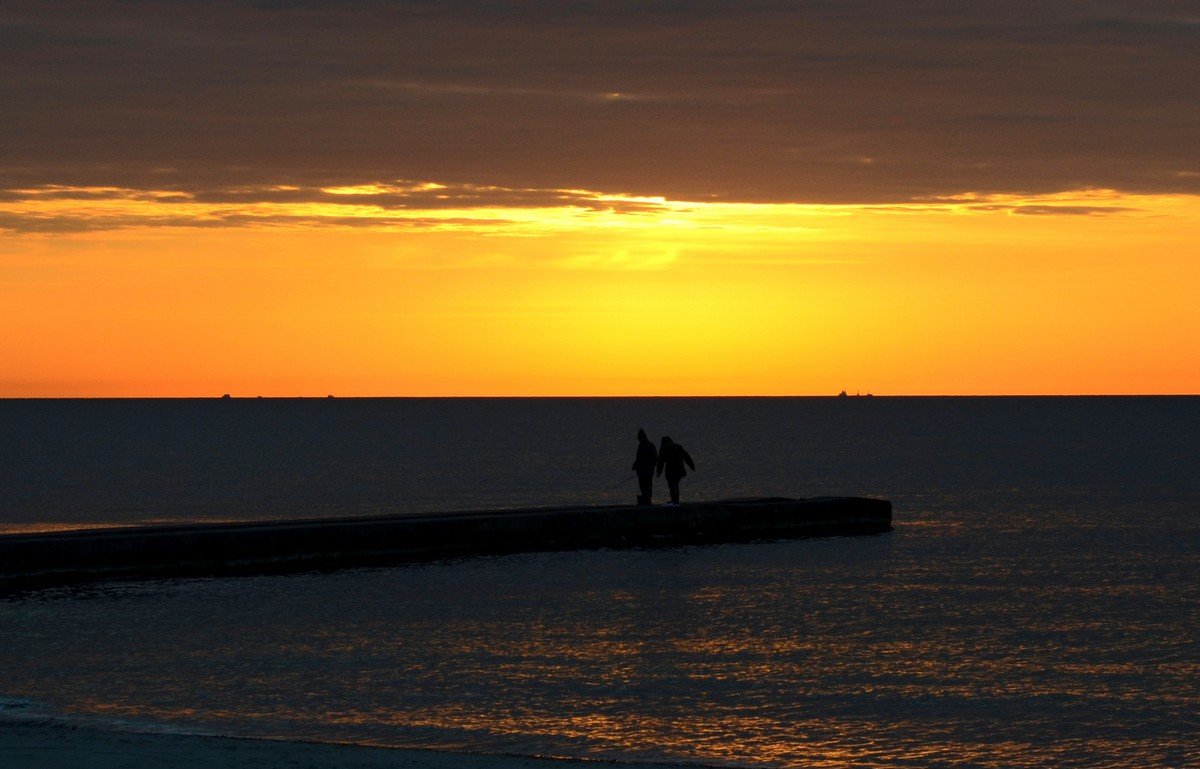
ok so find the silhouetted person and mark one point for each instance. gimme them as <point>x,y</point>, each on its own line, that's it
<point>643,465</point>
<point>671,458</point>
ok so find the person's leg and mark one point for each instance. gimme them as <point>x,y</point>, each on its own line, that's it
<point>646,481</point>
<point>673,484</point>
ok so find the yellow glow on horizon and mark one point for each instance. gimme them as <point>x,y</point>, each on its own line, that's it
<point>127,292</point>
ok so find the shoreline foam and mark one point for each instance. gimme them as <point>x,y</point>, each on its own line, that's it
<point>50,744</point>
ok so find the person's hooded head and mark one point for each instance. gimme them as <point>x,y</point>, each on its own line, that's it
<point>666,441</point>
<point>641,435</point>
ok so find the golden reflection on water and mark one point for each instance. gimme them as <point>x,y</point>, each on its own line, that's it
<point>749,673</point>
<point>597,720</point>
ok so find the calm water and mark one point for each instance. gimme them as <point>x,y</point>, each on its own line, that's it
<point>1038,603</point>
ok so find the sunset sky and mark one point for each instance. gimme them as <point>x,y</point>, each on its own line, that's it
<point>598,198</point>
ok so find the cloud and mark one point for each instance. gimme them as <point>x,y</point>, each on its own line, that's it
<point>488,209</point>
<point>393,205</point>
<point>1070,210</point>
<point>748,101</point>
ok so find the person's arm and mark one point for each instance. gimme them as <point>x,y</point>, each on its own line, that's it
<point>661,457</point>
<point>688,458</point>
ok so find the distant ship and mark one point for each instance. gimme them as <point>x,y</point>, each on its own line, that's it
<point>842,394</point>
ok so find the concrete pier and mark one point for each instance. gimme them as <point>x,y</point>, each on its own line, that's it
<point>60,558</point>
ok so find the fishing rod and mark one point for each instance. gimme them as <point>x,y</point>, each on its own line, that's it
<point>623,482</point>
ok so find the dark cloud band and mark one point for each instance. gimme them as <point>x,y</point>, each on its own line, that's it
<point>754,101</point>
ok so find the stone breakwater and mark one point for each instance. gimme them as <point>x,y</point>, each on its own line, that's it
<point>61,558</point>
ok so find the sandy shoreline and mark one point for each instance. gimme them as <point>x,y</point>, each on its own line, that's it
<point>48,745</point>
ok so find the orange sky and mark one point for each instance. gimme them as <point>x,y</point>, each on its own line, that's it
<point>1089,292</point>
<point>617,197</point>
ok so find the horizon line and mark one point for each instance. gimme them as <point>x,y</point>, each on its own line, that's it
<point>835,396</point>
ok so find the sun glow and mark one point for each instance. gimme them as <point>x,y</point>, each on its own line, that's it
<point>421,288</point>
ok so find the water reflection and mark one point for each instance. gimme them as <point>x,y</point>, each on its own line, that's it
<point>924,648</point>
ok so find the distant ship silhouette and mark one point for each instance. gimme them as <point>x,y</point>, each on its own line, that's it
<point>842,394</point>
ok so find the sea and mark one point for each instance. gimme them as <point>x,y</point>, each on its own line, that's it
<point>1037,603</point>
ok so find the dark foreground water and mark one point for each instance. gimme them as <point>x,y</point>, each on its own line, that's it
<point>1038,603</point>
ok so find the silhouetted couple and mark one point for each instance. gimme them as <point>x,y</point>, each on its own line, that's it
<point>670,458</point>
